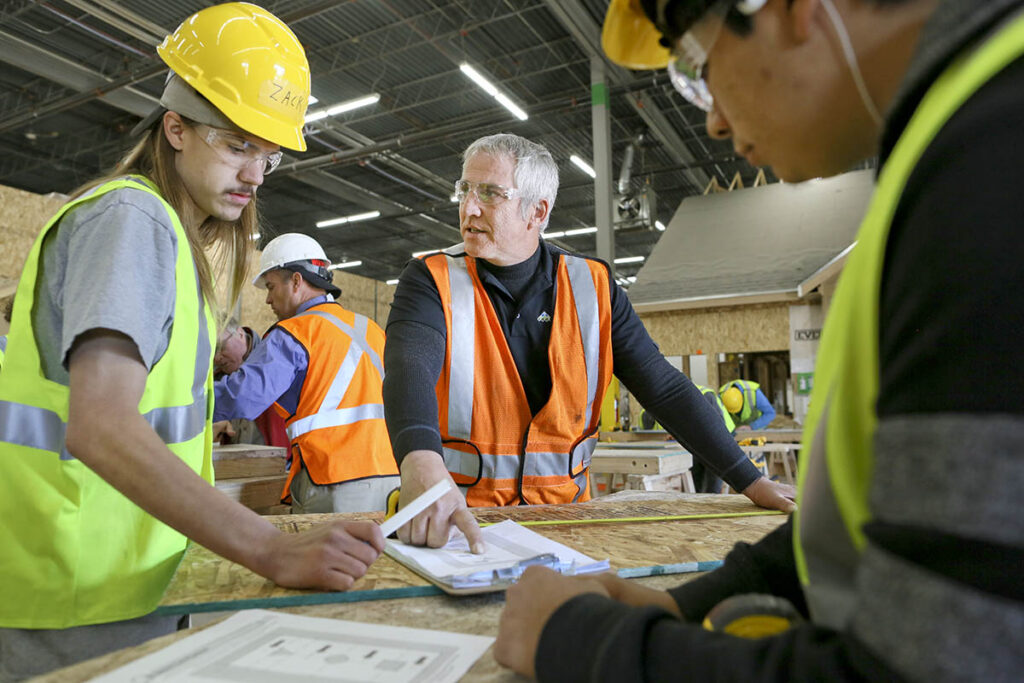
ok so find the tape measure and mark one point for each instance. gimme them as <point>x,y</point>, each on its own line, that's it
<point>752,615</point>
<point>663,518</point>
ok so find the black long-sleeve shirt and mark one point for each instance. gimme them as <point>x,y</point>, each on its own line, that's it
<point>521,294</point>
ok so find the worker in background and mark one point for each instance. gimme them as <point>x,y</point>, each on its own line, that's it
<point>234,344</point>
<point>749,407</point>
<point>704,479</point>
<point>106,397</point>
<point>320,367</point>
<point>905,555</point>
<point>501,348</point>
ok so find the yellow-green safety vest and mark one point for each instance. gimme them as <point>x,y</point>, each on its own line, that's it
<point>726,417</point>
<point>835,471</point>
<point>75,550</point>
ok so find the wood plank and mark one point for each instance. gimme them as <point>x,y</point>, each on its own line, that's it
<point>641,462</point>
<point>787,434</point>
<point>260,494</point>
<point>247,460</point>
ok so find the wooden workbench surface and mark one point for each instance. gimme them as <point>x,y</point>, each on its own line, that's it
<point>205,580</point>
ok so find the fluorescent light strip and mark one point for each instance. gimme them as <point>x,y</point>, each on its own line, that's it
<point>346,264</point>
<point>417,254</point>
<point>313,99</point>
<point>492,90</point>
<point>343,107</point>
<point>391,282</point>
<point>659,225</point>
<point>579,231</point>
<point>584,166</point>
<point>348,219</point>
<point>630,259</point>
<point>553,235</point>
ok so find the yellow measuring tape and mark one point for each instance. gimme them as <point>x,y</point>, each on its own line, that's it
<point>666,518</point>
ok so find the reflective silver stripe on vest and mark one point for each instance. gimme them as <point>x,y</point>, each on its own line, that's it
<point>44,429</point>
<point>329,414</point>
<point>3,343</point>
<point>463,341</point>
<point>829,553</point>
<point>23,425</point>
<point>585,295</point>
<point>507,466</point>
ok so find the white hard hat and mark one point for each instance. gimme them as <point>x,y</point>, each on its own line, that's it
<point>289,248</point>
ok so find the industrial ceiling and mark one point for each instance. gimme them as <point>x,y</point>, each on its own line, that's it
<point>79,74</point>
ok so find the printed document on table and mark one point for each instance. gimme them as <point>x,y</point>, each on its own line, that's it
<point>257,646</point>
<point>511,548</point>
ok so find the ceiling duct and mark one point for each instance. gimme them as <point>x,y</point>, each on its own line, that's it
<point>634,209</point>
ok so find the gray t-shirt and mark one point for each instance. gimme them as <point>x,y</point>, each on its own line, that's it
<point>108,264</point>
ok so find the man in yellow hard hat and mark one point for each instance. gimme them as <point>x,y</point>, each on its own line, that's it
<point>106,395</point>
<point>747,404</point>
<point>904,556</point>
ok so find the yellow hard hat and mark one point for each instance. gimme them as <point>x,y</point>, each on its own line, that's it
<point>249,65</point>
<point>630,39</point>
<point>732,399</point>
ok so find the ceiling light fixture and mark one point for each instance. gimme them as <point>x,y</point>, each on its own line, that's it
<point>331,222</point>
<point>659,225</point>
<point>489,88</point>
<point>584,166</point>
<point>343,107</point>
<point>579,231</point>
<point>417,254</point>
<point>630,259</point>
<point>344,264</point>
<point>391,282</point>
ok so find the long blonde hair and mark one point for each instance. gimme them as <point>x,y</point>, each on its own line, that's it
<point>153,157</point>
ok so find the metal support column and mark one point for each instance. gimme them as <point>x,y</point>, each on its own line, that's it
<point>602,130</point>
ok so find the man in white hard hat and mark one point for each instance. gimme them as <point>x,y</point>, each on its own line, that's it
<point>105,436</point>
<point>320,367</point>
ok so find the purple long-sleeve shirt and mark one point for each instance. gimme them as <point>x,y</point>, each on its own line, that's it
<point>274,371</point>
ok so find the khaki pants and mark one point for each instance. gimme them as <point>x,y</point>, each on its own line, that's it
<point>364,495</point>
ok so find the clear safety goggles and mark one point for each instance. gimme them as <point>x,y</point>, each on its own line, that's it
<point>690,53</point>
<point>486,193</point>
<point>239,152</point>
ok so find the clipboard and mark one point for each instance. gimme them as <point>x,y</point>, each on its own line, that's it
<point>512,548</point>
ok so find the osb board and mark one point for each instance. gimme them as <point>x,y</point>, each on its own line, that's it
<point>22,216</point>
<point>758,327</point>
<point>206,579</point>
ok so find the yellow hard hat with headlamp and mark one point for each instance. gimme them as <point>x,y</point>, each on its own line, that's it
<point>630,39</point>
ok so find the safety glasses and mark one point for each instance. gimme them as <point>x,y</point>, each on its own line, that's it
<point>239,152</point>
<point>486,193</point>
<point>690,53</point>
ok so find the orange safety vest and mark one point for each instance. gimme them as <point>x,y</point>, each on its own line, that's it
<point>338,429</point>
<point>492,443</point>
